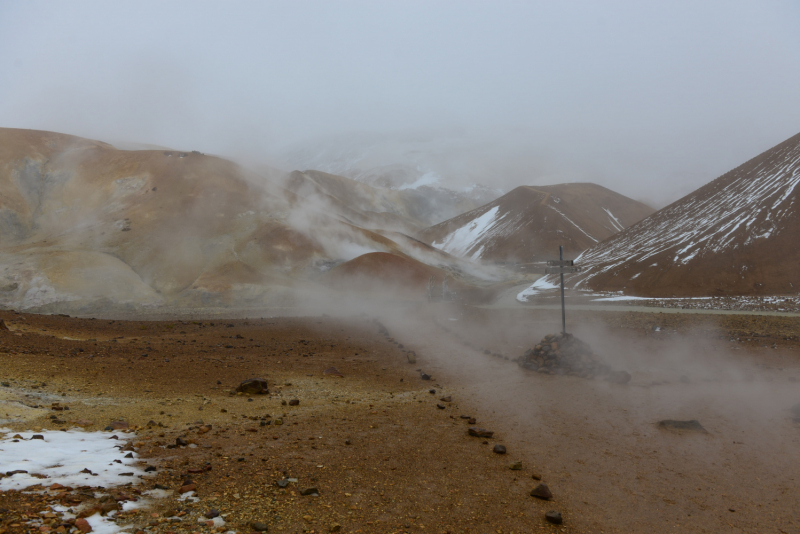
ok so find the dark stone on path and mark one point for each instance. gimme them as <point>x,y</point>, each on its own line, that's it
<point>180,442</point>
<point>480,432</point>
<point>258,526</point>
<point>160,487</point>
<point>282,483</point>
<point>253,386</point>
<point>87,471</point>
<point>554,517</point>
<point>432,391</point>
<point>3,327</point>
<point>187,488</point>
<point>619,377</point>
<point>17,472</point>
<point>310,491</point>
<point>211,514</point>
<point>440,406</point>
<point>129,455</point>
<point>149,469</point>
<point>465,416</point>
<point>119,425</point>
<point>542,492</point>
<point>692,425</point>
<point>424,376</point>
<point>499,449</point>
<point>333,371</point>
<point>472,421</point>
<point>37,436</point>
<point>447,399</point>
<point>536,476</point>
<point>294,402</point>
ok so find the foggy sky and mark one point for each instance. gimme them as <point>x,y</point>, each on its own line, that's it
<point>652,99</point>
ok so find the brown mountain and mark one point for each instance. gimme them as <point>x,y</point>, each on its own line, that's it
<point>529,223</point>
<point>737,235</point>
<point>83,224</point>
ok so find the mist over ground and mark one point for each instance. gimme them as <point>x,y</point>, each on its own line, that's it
<point>649,100</point>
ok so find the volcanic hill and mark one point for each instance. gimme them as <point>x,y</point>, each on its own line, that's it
<point>529,223</point>
<point>83,224</point>
<point>737,235</point>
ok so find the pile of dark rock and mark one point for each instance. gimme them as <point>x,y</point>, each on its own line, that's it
<point>565,354</point>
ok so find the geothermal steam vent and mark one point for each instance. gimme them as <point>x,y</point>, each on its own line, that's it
<point>565,354</point>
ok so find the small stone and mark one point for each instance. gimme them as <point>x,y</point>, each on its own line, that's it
<point>499,449</point>
<point>432,391</point>
<point>536,476</point>
<point>253,386</point>
<point>149,469</point>
<point>180,442</point>
<point>83,525</point>
<point>258,526</point>
<point>129,455</point>
<point>83,423</point>
<point>348,442</point>
<point>333,371</point>
<point>515,466</point>
<point>335,527</point>
<point>282,483</point>
<point>294,402</point>
<point>479,432</point>
<point>447,399</point>
<point>542,492</point>
<point>412,358</point>
<point>119,425</point>
<point>554,517</point>
<point>187,488</point>
<point>440,406</point>
<point>424,376</point>
<point>211,514</point>
<point>37,436</point>
<point>310,491</point>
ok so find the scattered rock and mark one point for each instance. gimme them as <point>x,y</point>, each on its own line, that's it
<point>542,492</point>
<point>424,375</point>
<point>180,442</point>
<point>333,371</point>
<point>499,449</point>
<point>119,425</point>
<point>294,402</point>
<point>258,526</point>
<point>282,483</point>
<point>412,358</point>
<point>515,466</point>
<point>619,377</point>
<point>335,527</point>
<point>447,399</point>
<point>480,432</point>
<point>432,391</point>
<point>211,514</point>
<point>37,436</point>
<point>536,476</point>
<point>692,425</point>
<point>440,406</point>
<point>253,386</point>
<point>150,469</point>
<point>83,525</point>
<point>83,423</point>
<point>554,517</point>
<point>187,488</point>
<point>3,326</point>
<point>310,491</point>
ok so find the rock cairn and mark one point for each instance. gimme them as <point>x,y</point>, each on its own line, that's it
<point>564,354</point>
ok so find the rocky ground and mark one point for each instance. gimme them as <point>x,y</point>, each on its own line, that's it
<point>383,449</point>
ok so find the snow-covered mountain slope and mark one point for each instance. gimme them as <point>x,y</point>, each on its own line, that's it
<point>529,223</point>
<point>737,235</point>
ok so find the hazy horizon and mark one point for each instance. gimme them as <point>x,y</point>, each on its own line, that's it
<point>649,100</point>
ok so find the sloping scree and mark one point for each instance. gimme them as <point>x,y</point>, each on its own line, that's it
<point>565,354</point>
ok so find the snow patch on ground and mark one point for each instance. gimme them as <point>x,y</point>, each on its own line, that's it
<point>460,241</point>
<point>430,178</point>
<point>538,286</point>
<point>61,456</point>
